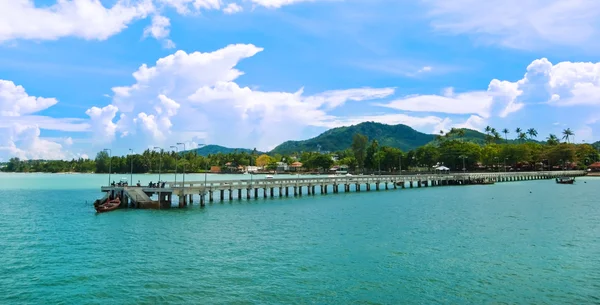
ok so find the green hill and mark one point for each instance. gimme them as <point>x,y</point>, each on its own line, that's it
<point>340,138</point>
<point>215,149</point>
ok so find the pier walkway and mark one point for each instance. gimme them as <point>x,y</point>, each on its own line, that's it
<point>289,185</point>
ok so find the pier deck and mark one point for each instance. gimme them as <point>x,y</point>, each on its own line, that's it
<point>288,185</point>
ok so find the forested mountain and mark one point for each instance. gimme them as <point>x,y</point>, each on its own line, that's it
<point>336,139</point>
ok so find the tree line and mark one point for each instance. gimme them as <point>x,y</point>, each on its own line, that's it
<point>449,149</point>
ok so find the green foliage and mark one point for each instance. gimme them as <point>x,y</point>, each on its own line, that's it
<point>216,149</point>
<point>338,139</point>
<point>359,148</point>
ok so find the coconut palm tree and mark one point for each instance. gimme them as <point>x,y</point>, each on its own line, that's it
<point>506,132</point>
<point>488,129</point>
<point>518,131</point>
<point>532,133</point>
<point>567,133</point>
<point>522,137</point>
<point>552,140</point>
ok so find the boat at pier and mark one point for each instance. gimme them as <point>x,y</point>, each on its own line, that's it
<point>108,205</point>
<point>565,180</point>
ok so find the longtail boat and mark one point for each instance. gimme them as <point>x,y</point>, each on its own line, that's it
<point>565,180</point>
<point>109,205</point>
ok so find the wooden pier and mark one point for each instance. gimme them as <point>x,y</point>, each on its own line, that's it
<point>288,186</point>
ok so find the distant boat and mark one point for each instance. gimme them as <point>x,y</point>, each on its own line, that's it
<point>109,205</point>
<point>565,180</point>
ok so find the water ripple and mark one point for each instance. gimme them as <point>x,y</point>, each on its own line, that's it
<point>422,246</point>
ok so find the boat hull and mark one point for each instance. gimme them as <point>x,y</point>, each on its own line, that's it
<point>108,206</point>
<point>565,180</point>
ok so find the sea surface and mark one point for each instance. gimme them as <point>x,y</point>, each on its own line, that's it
<point>529,242</point>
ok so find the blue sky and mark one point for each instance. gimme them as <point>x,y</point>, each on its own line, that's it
<point>79,76</point>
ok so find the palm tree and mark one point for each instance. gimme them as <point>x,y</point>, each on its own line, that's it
<point>488,129</point>
<point>552,140</point>
<point>506,132</point>
<point>522,137</point>
<point>518,131</point>
<point>567,133</point>
<point>532,133</point>
<point>496,135</point>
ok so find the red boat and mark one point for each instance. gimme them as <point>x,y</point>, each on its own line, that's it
<point>109,205</point>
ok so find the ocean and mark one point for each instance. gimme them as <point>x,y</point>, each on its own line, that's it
<point>528,242</point>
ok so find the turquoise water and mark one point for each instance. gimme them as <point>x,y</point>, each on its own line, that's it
<point>531,242</point>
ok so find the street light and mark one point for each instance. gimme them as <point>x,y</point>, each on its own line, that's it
<point>416,162</point>
<point>109,163</point>
<point>463,157</point>
<point>159,162</point>
<point>205,172</point>
<point>176,155</point>
<point>400,163</point>
<point>184,151</point>
<point>131,172</point>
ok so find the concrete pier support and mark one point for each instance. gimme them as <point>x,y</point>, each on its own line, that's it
<point>287,191</point>
<point>248,191</point>
<point>210,196</point>
<point>272,192</point>
<point>313,189</point>
<point>377,186</point>
<point>221,195</point>
<point>411,184</point>
<point>300,190</point>
<point>265,192</point>
<point>230,194</point>
<point>280,191</point>
<point>295,191</point>
<point>255,193</point>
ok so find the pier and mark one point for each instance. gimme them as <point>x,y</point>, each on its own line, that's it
<point>293,186</point>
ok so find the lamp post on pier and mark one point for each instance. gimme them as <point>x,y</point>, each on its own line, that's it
<point>131,172</point>
<point>400,163</point>
<point>463,157</point>
<point>159,162</point>
<point>205,172</point>
<point>184,151</point>
<point>176,156</point>
<point>109,163</point>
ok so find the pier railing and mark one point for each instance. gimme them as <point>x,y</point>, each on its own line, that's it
<point>360,179</point>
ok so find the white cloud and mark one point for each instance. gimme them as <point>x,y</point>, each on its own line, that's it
<point>476,102</point>
<point>87,19</point>
<point>278,3</point>
<point>14,100</point>
<point>24,141</point>
<point>101,120</point>
<point>20,127</point>
<point>159,29</point>
<point>185,97</point>
<point>425,69</point>
<point>520,23</point>
<point>232,8</point>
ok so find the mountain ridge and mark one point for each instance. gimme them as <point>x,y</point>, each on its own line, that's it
<point>340,138</point>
